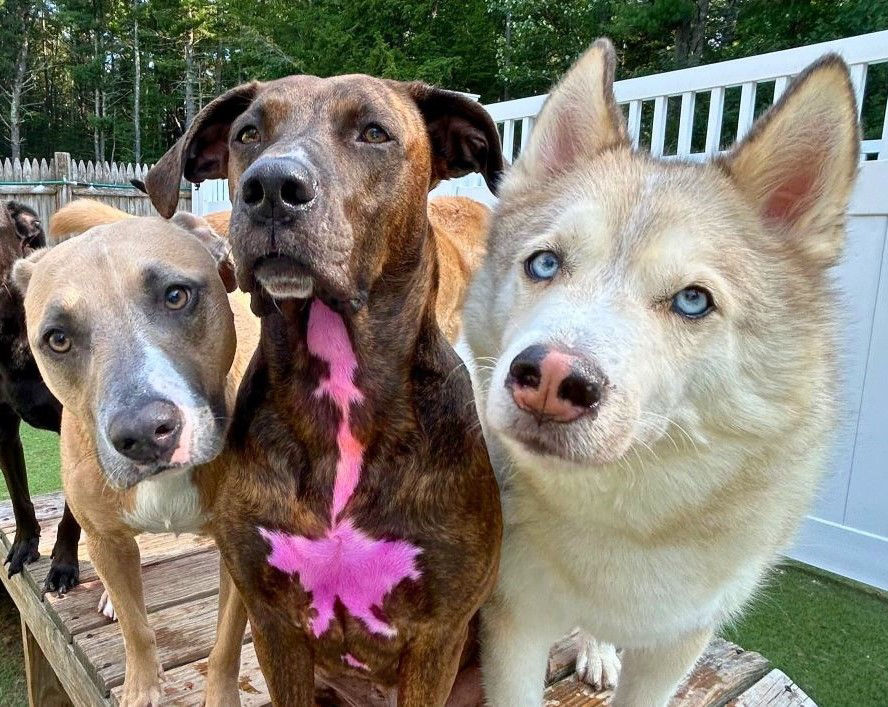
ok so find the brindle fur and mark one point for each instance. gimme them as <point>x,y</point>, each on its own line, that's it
<point>426,476</point>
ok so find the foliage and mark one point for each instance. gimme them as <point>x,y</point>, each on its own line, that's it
<point>78,92</point>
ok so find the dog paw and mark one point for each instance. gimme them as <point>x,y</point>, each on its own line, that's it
<point>222,696</point>
<point>597,663</point>
<point>62,576</point>
<point>142,692</point>
<point>105,607</point>
<point>23,552</point>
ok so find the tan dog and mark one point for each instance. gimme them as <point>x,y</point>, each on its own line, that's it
<point>147,368</point>
<point>659,371</point>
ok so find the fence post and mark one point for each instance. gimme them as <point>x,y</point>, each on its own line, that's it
<point>64,192</point>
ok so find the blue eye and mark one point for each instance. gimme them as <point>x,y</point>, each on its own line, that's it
<point>692,302</point>
<point>542,265</point>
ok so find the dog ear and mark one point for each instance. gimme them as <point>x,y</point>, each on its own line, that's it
<point>202,152</point>
<point>462,134</point>
<point>799,162</point>
<point>580,118</point>
<point>23,268</point>
<point>216,245</point>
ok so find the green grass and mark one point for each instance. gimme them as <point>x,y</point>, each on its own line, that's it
<point>41,459</point>
<point>827,634</point>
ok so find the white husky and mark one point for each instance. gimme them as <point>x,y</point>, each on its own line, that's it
<point>655,372</point>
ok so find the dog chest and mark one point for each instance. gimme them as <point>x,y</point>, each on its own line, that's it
<point>167,503</point>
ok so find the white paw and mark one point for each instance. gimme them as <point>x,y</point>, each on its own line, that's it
<point>597,663</point>
<point>106,608</point>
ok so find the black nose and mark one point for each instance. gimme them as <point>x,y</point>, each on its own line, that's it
<point>277,187</point>
<point>525,367</point>
<point>148,434</point>
<point>581,391</point>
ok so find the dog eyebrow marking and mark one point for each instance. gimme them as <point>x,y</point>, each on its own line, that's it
<point>346,563</point>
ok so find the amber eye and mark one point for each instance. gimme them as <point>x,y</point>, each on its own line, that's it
<point>176,296</point>
<point>374,134</point>
<point>248,135</point>
<point>58,341</point>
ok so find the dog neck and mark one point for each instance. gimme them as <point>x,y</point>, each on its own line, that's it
<point>393,333</point>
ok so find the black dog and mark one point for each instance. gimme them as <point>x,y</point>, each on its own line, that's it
<point>23,396</point>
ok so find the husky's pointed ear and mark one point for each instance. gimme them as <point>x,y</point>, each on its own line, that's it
<point>202,152</point>
<point>216,245</point>
<point>462,134</point>
<point>23,268</point>
<point>580,118</point>
<point>798,163</point>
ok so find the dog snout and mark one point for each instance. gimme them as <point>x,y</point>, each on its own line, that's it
<point>555,385</point>
<point>277,188</point>
<point>148,434</point>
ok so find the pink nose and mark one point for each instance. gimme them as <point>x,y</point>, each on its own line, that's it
<point>554,385</point>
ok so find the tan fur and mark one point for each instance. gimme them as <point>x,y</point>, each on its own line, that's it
<point>651,523</point>
<point>66,276</point>
<point>459,225</point>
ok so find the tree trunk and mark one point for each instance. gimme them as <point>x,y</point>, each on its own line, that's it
<point>97,106</point>
<point>137,87</point>
<point>189,77</point>
<point>690,36</point>
<point>15,102</point>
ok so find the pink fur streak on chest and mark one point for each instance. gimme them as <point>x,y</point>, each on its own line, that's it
<point>346,563</point>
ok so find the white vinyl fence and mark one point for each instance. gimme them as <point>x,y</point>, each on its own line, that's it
<point>694,113</point>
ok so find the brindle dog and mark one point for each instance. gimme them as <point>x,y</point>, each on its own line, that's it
<point>360,519</point>
<point>23,396</point>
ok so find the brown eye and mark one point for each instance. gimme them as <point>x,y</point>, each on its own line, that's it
<point>176,297</point>
<point>58,341</point>
<point>374,135</point>
<point>248,135</point>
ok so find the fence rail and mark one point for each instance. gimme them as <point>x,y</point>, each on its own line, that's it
<point>693,113</point>
<point>47,185</point>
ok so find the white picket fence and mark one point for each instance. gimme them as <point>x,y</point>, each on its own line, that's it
<point>47,185</point>
<point>848,531</point>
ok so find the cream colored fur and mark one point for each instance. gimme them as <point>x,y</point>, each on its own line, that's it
<point>652,524</point>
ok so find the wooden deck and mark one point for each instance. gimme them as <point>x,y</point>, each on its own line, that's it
<point>181,583</point>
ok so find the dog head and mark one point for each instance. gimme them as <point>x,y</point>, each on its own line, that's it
<point>628,302</point>
<point>131,328</point>
<point>27,225</point>
<point>328,176</point>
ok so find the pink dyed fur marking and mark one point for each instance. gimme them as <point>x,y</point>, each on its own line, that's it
<point>345,564</point>
<point>354,662</point>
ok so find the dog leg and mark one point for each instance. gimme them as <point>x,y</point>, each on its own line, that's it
<point>514,653</point>
<point>285,656</point>
<point>64,572</point>
<point>223,665</point>
<point>429,667</point>
<point>117,562</point>
<point>12,459</point>
<point>650,676</point>
<point>597,663</point>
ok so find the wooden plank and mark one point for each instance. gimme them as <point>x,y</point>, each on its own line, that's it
<point>773,689</point>
<point>724,671</point>
<point>184,686</point>
<point>175,581</point>
<point>78,684</point>
<point>47,506</point>
<point>526,130</point>
<point>44,688</point>
<point>508,140</point>
<point>185,633</point>
<point>570,692</point>
<point>562,659</point>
